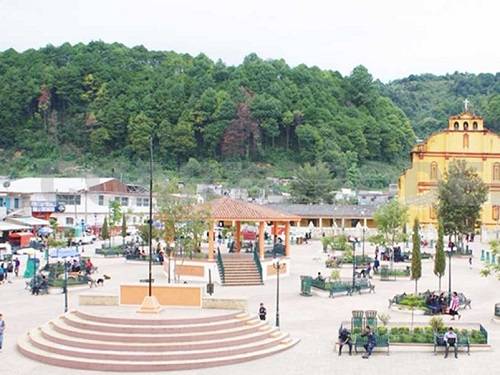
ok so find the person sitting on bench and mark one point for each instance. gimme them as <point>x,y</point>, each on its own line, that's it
<point>450,339</point>
<point>319,277</point>
<point>370,343</point>
<point>345,339</point>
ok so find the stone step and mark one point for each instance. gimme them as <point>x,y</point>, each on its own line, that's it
<point>40,342</point>
<point>156,321</point>
<point>243,283</point>
<point>61,326</point>
<point>75,320</point>
<point>54,336</point>
<point>29,350</point>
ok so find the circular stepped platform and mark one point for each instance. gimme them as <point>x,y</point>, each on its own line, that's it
<point>102,343</point>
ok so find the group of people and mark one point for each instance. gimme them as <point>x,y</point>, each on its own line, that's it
<point>7,268</point>
<point>438,304</point>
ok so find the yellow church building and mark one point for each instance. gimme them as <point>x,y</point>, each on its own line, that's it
<point>467,139</point>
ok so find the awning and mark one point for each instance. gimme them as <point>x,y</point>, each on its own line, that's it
<point>6,227</point>
<point>27,220</point>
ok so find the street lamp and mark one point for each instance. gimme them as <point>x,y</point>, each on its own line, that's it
<point>450,252</point>
<point>65,286</point>
<point>150,221</point>
<point>353,241</point>
<point>277,266</point>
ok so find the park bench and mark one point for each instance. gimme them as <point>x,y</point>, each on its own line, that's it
<point>340,287</point>
<point>382,341</point>
<point>464,301</point>
<point>364,284</point>
<point>462,342</point>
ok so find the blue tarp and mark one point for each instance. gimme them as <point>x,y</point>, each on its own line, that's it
<point>64,252</point>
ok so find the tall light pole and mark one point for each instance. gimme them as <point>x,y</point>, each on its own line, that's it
<point>277,266</point>
<point>449,251</point>
<point>65,285</point>
<point>150,221</point>
<point>353,241</point>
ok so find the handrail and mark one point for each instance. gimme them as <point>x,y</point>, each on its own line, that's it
<point>256,259</point>
<point>220,263</point>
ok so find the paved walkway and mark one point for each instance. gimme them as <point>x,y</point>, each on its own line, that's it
<point>314,320</point>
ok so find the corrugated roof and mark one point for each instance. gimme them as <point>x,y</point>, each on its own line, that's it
<point>325,210</point>
<point>11,226</point>
<point>226,208</point>
<point>27,220</point>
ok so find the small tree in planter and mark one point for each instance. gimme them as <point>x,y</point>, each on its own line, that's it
<point>439,258</point>
<point>437,324</point>
<point>412,301</point>
<point>416,259</point>
<point>105,230</point>
<point>335,275</point>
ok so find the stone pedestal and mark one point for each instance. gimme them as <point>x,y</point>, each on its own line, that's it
<point>150,305</point>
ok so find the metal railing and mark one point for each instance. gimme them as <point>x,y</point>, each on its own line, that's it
<point>256,259</point>
<point>220,265</point>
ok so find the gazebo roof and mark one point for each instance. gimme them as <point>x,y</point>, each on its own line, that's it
<point>226,208</point>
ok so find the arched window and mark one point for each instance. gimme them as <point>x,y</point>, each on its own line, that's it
<point>466,125</point>
<point>475,125</point>
<point>496,171</point>
<point>434,171</point>
<point>456,125</point>
<point>495,212</point>
<point>466,141</point>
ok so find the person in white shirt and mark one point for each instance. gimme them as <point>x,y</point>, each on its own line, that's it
<point>450,339</point>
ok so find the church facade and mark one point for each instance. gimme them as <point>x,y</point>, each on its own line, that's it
<point>467,139</point>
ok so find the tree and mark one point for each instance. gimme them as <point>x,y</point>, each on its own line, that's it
<point>439,257</point>
<point>390,219</point>
<point>105,230</point>
<point>124,229</point>
<point>115,216</point>
<point>312,184</point>
<point>493,268</point>
<point>416,257</point>
<point>460,196</point>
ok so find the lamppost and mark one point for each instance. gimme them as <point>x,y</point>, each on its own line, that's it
<point>150,221</point>
<point>449,251</point>
<point>277,267</point>
<point>364,230</point>
<point>353,241</point>
<point>65,286</point>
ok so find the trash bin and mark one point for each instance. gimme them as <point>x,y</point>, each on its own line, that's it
<point>305,286</point>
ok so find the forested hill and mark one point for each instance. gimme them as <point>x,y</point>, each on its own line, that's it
<point>428,100</point>
<point>99,101</point>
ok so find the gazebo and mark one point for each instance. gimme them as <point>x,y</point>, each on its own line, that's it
<point>228,209</point>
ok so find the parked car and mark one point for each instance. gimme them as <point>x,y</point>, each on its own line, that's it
<point>84,239</point>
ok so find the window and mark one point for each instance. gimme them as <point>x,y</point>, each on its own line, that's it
<point>2,203</point>
<point>16,202</point>
<point>496,171</point>
<point>124,201</point>
<point>495,213</point>
<point>145,202</point>
<point>475,125</point>
<point>434,171</point>
<point>466,141</point>
<point>456,125</point>
<point>101,200</point>
<point>466,125</point>
<point>68,199</point>
<point>70,221</point>
<point>138,202</point>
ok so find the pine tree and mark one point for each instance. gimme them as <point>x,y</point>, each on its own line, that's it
<point>439,257</point>
<point>105,230</point>
<point>416,258</point>
<point>124,230</point>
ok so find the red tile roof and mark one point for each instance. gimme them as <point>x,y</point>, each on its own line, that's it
<point>226,208</point>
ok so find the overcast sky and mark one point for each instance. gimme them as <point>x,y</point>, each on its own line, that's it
<point>392,38</point>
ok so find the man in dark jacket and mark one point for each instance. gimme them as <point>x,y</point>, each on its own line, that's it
<point>345,339</point>
<point>370,343</point>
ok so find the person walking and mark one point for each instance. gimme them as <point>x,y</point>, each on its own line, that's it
<point>262,312</point>
<point>2,330</point>
<point>450,339</point>
<point>470,262</point>
<point>17,265</point>
<point>454,306</point>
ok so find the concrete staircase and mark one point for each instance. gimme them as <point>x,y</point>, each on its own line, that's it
<point>84,341</point>
<point>240,269</point>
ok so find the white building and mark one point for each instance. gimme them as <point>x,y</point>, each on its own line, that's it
<point>74,200</point>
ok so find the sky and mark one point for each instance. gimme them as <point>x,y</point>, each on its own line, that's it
<point>392,38</point>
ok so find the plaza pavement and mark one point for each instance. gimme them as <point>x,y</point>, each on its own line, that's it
<point>314,320</point>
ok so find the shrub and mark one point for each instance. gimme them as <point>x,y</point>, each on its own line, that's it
<point>384,318</point>
<point>437,324</point>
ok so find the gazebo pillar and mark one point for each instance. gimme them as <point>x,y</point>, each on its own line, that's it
<point>275,232</point>
<point>287,238</point>
<point>261,239</point>
<point>238,236</point>
<point>211,242</point>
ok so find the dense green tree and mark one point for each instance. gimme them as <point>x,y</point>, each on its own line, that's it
<point>461,194</point>
<point>105,230</point>
<point>416,256</point>
<point>312,184</point>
